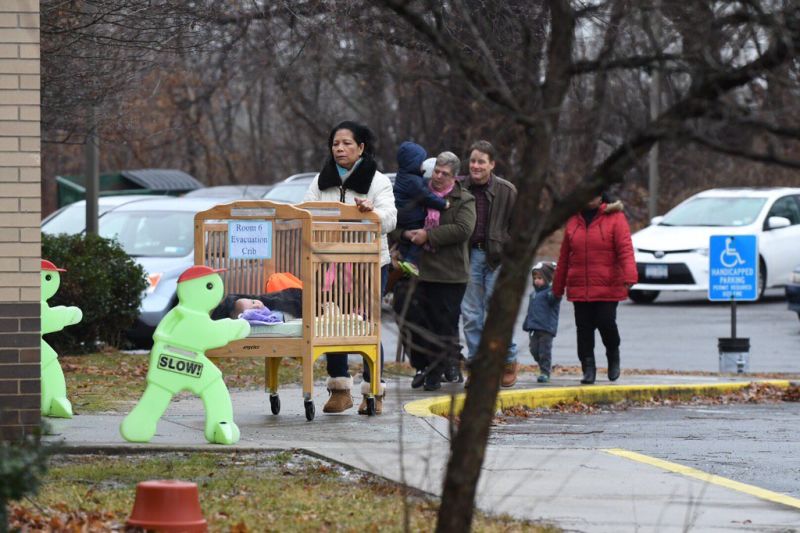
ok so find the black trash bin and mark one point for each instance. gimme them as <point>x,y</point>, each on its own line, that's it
<point>734,355</point>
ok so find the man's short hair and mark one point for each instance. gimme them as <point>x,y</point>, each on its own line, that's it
<point>485,147</point>
<point>449,159</point>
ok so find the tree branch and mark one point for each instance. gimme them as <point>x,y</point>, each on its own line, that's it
<point>762,157</point>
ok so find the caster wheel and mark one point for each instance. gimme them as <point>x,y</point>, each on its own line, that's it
<point>309,410</point>
<point>371,406</point>
<point>275,403</point>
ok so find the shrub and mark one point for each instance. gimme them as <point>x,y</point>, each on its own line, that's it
<point>23,464</point>
<point>103,281</point>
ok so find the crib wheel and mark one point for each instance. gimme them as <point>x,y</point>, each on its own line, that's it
<point>275,403</point>
<point>371,406</point>
<point>309,410</point>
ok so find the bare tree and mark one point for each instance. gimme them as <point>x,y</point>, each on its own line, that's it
<point>719,54</point>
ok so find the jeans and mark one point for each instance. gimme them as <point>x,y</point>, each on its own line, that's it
<point>541,347</point>
<point>476,300</point>
<point>601,316</point>
<point>409,252</point>
<point>337,362</point>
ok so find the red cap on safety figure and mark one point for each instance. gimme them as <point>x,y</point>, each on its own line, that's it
<point>198,271</point>
<point>47,265</point>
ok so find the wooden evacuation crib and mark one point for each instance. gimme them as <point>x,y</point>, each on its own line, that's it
<point>333,248</point>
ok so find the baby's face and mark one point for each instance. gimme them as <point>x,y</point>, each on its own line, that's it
<point>243,304</point>
<point>538,281</point>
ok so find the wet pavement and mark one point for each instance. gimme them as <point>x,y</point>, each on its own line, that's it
<point>677,332</point>
<point>568,480</point>
<point>751,443</point>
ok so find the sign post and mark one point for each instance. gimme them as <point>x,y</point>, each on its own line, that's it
<point>733,276</point>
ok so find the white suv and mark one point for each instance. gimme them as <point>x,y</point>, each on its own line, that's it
<point>672,253</point>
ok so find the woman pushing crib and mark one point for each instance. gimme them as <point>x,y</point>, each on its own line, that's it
<point>351,176</point>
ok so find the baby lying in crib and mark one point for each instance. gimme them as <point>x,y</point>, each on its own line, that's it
<point>269,308</point>
<point>255,312</point>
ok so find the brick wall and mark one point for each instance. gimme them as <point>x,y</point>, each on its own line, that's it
<point>20,215</point>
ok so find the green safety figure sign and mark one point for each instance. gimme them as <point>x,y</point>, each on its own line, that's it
<point>54,389</point>
<point>178,362</point>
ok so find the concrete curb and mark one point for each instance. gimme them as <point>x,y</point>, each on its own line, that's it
<point>589,394</point>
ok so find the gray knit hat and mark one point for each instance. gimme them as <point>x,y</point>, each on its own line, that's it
<point>546,269</point>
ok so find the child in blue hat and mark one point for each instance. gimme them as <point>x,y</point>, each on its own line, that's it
<point>541,322</point>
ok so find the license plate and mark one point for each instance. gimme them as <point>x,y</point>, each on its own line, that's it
<point>656,271</point>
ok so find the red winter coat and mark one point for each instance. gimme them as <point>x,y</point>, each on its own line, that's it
<point>595,263</point>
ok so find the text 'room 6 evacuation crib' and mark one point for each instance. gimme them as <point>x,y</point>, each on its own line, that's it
<point>333,248</point>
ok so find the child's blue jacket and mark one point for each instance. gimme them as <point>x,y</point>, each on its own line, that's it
<point>412,197</point>
<point>542,311</point>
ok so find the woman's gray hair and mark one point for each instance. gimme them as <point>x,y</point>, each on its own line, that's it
<point>451,160</point>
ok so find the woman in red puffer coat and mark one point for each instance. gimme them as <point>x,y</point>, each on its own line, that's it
<point>596,266</point>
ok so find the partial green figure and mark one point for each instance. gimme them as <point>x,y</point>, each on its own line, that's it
<point>54,388</point>
<point>178,361</point>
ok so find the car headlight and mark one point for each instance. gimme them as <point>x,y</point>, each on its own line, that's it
<point>152,280</point>
<point>701,251</point>
<point>796,278</point>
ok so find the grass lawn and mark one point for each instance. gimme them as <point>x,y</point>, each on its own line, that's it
<point>238,492</point>
<point>114,381</point>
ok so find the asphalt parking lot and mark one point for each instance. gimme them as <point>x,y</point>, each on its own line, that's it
<point>677,332</point>
<point>749,443</point>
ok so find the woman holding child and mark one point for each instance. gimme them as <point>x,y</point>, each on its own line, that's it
<point>350,175</point>
<point>443,262</point>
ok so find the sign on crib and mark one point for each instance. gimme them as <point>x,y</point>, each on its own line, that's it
<point>250,239</point>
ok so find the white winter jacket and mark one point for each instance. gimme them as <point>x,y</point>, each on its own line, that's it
<point>380,194</point>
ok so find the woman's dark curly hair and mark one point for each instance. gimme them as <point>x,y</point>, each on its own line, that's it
<point>362,135</point>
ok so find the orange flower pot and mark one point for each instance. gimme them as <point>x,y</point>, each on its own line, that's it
<point>167,505</point>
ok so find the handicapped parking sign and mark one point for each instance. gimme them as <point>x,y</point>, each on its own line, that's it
<point>733,269</point>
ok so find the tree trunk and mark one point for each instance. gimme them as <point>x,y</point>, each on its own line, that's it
<point>468,448</point>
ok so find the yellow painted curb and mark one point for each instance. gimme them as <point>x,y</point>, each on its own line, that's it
<point>592,394</point>
<point>752,490</point>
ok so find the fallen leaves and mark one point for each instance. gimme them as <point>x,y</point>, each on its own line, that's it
<point>60,517</point>
<point>753,393</point>
<point>575,370</point>
<point>792,394</point>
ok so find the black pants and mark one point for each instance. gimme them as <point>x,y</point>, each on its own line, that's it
<point>432,324</point>
<point>601,316</point>
<point>337,362</point>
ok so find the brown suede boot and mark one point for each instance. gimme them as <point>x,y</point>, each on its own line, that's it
<point>340,400</point>
<point>510,375</point>
<point>365,390</point>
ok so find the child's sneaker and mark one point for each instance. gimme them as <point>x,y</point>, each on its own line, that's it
<point>409,268</point>
<point>543,378</point>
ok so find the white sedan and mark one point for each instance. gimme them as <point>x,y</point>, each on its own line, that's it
<point>672,253</point>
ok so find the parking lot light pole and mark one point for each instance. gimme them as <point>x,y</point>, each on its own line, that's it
<point>92,173</point>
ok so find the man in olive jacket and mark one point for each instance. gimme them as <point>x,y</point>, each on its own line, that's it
<point>494,201</point>
<point>431,322</point>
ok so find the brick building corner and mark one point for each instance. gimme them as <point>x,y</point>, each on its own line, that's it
<point>20,216</point>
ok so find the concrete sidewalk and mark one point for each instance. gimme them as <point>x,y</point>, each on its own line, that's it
<point>578,489</point>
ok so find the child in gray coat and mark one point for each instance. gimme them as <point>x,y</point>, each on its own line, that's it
<point>541,323</point>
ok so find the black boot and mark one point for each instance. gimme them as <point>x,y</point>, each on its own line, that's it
<point>613,364</point>
<point>589,371</point>
<point>452,371</point>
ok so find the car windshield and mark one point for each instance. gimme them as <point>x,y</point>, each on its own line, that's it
<point>290,193</point>
<point>719,211</point>
<point>151,234</point>
<point>72,220</point>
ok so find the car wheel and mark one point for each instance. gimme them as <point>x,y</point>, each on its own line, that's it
<point>643,297</point>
